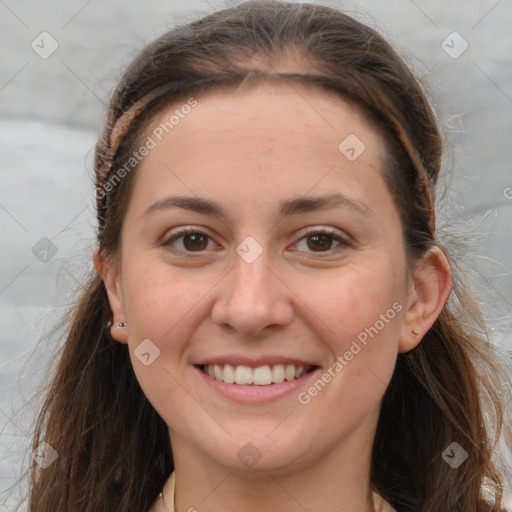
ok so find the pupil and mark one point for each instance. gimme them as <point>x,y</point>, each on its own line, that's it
<point>322,239</point>
<point>197,239</point>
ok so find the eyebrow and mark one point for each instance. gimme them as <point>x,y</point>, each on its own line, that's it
<point>286,208</point>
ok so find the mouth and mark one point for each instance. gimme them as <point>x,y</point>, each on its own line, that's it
<point>265,375</point>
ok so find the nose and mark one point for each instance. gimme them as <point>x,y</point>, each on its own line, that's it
<point>253,300</point>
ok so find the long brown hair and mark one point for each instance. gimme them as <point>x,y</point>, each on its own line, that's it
<point>114,452</point>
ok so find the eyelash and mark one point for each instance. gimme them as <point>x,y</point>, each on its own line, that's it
<point>311,232</point>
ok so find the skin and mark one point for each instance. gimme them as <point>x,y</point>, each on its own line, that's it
<point>248,150</point>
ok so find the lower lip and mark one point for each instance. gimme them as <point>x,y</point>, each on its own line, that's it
<point>252,393</point>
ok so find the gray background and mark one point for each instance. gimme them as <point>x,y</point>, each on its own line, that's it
<point>52,111</point>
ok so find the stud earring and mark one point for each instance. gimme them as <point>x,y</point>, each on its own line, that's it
<point>415,332</point>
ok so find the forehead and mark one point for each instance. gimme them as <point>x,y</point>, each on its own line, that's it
<point>268,113</point>
<point>258,141</point>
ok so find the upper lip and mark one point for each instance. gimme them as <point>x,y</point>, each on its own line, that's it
<point>254,362</point>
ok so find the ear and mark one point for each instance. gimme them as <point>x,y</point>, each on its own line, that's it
<point>428,292</point>
<point>109,272</point>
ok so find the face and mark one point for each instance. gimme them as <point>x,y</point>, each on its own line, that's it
<point>291,265</point>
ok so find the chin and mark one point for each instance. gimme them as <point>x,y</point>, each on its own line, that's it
<point>257,450</point>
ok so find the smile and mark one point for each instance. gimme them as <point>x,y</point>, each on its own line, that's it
<point>260,390</point>
<point>260,376</point>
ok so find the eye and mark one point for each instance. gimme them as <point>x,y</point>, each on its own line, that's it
<point>321,241</point>
<point>189,240</point>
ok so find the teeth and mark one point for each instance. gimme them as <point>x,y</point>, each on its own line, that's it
<point>278,373</point>
<point>228,375</point>
<point>289,373</point>
<point>260,376</point>
<point>218,372</point>
<point>243,375</point>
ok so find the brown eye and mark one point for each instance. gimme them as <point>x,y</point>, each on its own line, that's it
<point>319,242</point>
<point>322,241</point>
<point>188,241</point>
<point>195,242</point>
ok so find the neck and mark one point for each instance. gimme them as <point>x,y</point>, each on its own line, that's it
<point>336,481</point>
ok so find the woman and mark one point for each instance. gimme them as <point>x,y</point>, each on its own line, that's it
<point>271,323</point>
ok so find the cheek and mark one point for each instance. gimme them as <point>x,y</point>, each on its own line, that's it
<point>356,297</point>
<point>161,304</point>
<point>361,307</point>
<point>160,299</point>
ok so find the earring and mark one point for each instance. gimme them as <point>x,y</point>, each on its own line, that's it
<point>415,332</point>
<point>120,324</point>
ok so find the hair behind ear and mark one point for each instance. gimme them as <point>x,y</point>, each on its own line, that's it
<point>444,391</point>
<point>107,435</point>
